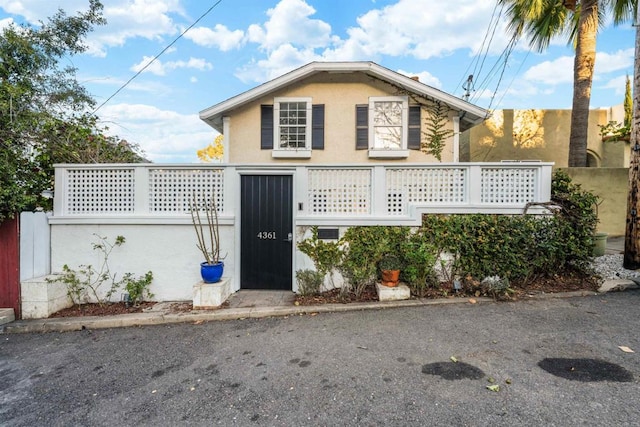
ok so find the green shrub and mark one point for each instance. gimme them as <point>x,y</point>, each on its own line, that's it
<point>88,283</point>
<point>138,287</point>
<point>363,248</point>
<point>309,282</point>
<point>419,257</point>
<point>518,247</point>
<point>326,256</point>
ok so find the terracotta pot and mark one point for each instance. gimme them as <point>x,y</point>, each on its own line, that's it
<point>390,278</point>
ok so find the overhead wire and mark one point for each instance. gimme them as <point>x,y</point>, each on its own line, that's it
<point>514,75</point>
<point>504,67</point>
<point>495,69</point>
<point>476,59</point>
<point>157,56</point>
<point>495,27</point>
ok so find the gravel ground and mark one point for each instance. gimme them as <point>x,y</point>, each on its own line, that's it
<point>610,267</point>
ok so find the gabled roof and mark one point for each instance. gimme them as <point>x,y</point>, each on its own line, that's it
<point>470,114</point>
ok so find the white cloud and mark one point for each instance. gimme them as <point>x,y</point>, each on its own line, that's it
<point>289,23</point>
<point>5,22</point>
<point>165,136</point>
<point>220,37</point>
<point>418,28</point>
<point>160,68</point>
<point>282,60</point>
<point>126,19</point>
<point>618,85</point>
<point>149,19</point>
<point>560,70</point>
<point>609,62</point>
<point>152,87</point>
<point>425,77</point>
<point>37,10</point>
<point>424,29</point>
<point>555,72</point>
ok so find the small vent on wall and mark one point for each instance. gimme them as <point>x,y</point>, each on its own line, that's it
<point>328,233</point>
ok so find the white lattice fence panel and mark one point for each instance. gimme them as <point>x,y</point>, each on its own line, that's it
<point>424,186</point>
<point>339,191</point>
<point>172,190</point>
<point>508,186</point>
<point>93,191</point>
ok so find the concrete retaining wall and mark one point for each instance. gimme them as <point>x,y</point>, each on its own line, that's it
<point>611,185</point>
<point>169,251</point>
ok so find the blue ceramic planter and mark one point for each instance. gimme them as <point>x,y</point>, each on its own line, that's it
<point>211,273</point>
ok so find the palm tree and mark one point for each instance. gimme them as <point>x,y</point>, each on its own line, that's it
<point>632,233</point>
<point>543,20</point>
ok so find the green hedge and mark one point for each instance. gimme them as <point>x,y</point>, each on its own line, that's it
<point>515,247</point>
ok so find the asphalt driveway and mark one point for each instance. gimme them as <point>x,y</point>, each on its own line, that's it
<point>555,362</point>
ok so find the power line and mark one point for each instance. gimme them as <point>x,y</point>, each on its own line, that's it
<point>514,76</point>
<point>493,33</point>
<point>506,52</point>
<point>157,56</point>
<point>474,62</point>
<point>506,58</point>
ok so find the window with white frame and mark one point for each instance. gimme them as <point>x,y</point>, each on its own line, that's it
<point>388,122</point>
<point>292,127</point>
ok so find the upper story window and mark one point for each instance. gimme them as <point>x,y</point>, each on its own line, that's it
<point>388,126</point>
<point>292,127</point>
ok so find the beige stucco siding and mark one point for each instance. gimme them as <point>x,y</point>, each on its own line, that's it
<point>340,100</point>
<point>539,135</point>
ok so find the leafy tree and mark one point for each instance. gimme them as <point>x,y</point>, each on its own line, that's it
<point>543,20</point>
<point>628,104</point>
<point>43,117</point>
<point>213,151</point>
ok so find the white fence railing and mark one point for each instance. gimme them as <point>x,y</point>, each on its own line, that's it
<point>344,194</point>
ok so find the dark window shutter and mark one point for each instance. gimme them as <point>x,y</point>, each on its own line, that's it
<point>413,137</point>
<point>266,127</point>
<point>317,127</point>
<point>362,127</point>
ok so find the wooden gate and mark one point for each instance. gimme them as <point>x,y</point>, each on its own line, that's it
<point>10,265</point>
<point>266,232</point>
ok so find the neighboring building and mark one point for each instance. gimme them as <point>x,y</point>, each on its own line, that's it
<point>542,135</point>
<point>339,112</point>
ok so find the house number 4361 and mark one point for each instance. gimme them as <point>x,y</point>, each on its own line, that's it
<point>266,235</point>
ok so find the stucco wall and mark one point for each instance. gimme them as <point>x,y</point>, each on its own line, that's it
<point>169,251</point>
<point>611,185</point>
<point>340,100</point>
<point>539,135</point>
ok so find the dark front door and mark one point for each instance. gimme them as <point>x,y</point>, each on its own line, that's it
<point>266,232</point>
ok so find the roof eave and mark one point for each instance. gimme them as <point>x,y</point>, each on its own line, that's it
<point>213,115</point>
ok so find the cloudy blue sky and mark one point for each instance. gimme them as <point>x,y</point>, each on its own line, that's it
<point>239,44</point>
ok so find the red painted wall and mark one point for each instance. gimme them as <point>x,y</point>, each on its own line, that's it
<point>10,265</point>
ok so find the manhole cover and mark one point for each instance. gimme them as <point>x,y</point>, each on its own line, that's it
<point>586,370</point>
<point>453,371</point>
